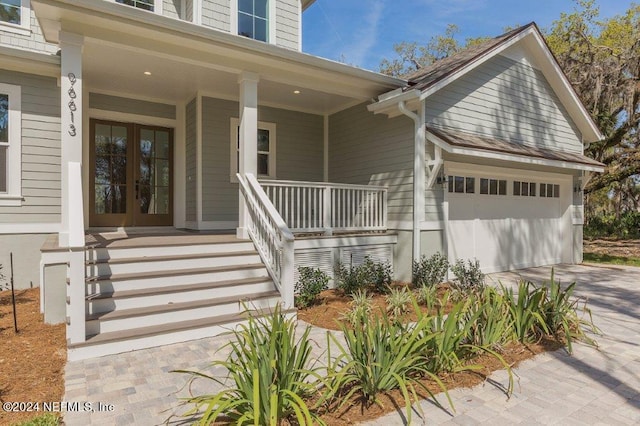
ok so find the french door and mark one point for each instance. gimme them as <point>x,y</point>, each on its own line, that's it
<point>130,175</point>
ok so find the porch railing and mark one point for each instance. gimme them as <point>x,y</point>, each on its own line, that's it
<point>273,239</point>
<point>76,289</point>
<point>328,207</point>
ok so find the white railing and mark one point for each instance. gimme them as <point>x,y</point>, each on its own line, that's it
<point>328,207</point>
<point>76,288</point>
<point>273,240</point>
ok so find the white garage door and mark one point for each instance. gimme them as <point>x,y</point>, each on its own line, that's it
<point>506,221</point>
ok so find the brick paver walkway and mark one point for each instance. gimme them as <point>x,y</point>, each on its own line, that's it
<point>591,387</point>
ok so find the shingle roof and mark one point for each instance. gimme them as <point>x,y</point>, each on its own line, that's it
<point>467,140</point>
<point>430,75</point>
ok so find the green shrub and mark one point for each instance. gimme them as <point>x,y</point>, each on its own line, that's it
<point>398,301</point>
<point>468,275</point>
<point>379,274</point>
<point>381,355</point>
<point>609,225</point>
<point>271,374</point>
<point>368,274</point>
<point>311,283</point>
<point>429,271</point>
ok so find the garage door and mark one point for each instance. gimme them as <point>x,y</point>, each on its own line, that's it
<point>505,221</point>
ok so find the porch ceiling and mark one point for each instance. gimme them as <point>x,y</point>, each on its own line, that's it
<point>122,42</point>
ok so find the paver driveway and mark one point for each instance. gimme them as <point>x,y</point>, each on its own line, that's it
<point>591,387</point>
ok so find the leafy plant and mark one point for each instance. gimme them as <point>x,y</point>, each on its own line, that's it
<point>427,295</point>
<point>311,282</point>
<point>526,311</point>
<point>270,373</point>
<point>468,275</point>
<point>429,271</point>
<point>381,355</point>
<point>398,301</point>
<point>379,274</point>
<point>490,322</point>
<point>369,273</point>
<point>361,307</point>
<point>49,419</point>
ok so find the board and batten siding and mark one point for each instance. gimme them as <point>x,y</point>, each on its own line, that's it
<point>191,163</point>
<point>508,100</point>
<point>217,14</point>
<point>41,156</point>
<point>287,24</point>
<point>34,41</point>
<point>131,106</point>
<point>172,8</point>
<point>375,150</point>
<point>299,153</point>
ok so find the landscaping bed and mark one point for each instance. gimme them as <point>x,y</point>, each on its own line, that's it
<point>613,251</point>
<point>31,361</point>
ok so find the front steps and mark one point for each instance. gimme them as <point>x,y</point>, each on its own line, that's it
<point>169,291</point>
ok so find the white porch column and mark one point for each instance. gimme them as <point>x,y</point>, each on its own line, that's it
<point>248,133</point>
<point>71,91</point>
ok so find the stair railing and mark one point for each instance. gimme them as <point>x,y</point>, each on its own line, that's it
<point>76,293</point>
<point>271,236</point>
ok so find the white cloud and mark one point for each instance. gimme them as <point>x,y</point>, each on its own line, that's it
<point>364,36</point>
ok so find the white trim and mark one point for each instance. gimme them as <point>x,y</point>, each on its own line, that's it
<point>211,225</point>
<point>14,143</point>
<point>233,17</point>
<point>196,13</point>
<point>300,10</point>
<point>158,7</point>
<point>511,157</point>
<point>134,96</point>
<point>29,228</point>
<point>432,225</point>
<point>272,23</point>
<point>24,27</point>
<point>199,206</point>
<point>10,201</point>
<point>125,117</point>
<point>234,124</point>
<point>179,168</point>
<point>326,148</point>
<point>16,59</point>
<point>344,241</point>
<point>399,225</point>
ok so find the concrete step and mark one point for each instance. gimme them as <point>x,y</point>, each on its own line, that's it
<point>139,298</point>
<point>169,262</point>
<point>121,320</point>
<point>160,279</point>
<point>158,335</point>
<point>113,253</point>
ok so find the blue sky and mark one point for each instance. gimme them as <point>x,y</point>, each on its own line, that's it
<point>362,32</point>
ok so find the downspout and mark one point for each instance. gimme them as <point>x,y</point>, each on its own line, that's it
<point>419,172</point>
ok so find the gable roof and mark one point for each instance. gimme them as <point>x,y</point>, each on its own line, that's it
<point>428,80</point>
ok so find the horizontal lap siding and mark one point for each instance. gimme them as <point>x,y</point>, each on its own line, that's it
<point>509,100</point>
<point>216,14</point>
<point>131,106</point>
<point>34,41</point>
<point>40,150</point>
<point>172,8</point>
<point>299,153</point>
<point>287,24</point>
<point>190,136</point>
<point>370,149</point>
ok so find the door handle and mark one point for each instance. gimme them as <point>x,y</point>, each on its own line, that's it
<point>137,189</point>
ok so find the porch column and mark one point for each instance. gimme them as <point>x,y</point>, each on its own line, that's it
<point>248,134</point>
<point>71,91</point>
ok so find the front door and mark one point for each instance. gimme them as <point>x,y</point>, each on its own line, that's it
<point>131,182</point>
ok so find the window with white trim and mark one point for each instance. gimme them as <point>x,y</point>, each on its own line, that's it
<point>549,190</point>
<point>493,186</point>
<point>10,145</point>
<point>140,4</point>
<point>253,19</point>
<point>524,189</point>
<point>266,166</point>
<point>15,16</point>
<point>462,184</point>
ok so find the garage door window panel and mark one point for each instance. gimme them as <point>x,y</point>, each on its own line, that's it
<point>462,184</point>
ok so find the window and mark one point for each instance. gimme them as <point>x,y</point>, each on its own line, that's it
<point>15,16</point>
<point>493,186</point>
<point>549,190</point>
<point>141,4</point>
<point>461,185</point>
<point>266,166</point>
<point>524,188</point>
<point>253,19</point>
<point>10,145</point>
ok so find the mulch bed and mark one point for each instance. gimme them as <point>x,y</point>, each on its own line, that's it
<point>31,361</point>
<point>611,247</point>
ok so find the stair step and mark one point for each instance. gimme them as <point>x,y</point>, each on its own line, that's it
<point>124,294</point>
<point>138,312</point>
<point>125,260</point>
<point>124,252</point>
<point>172,273</point>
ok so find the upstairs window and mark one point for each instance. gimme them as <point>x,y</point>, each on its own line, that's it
<point>11,11</point>
<point>253,19</point>
<point>141,4</point>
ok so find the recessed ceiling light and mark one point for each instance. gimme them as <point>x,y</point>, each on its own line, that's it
<point>147,73</point>
<point>297,92</point>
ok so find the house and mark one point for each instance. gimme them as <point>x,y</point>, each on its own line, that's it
<point>163,161</point>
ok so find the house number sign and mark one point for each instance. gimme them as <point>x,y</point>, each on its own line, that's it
<point>72,103</point>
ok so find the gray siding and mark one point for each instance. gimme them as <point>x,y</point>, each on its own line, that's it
<point>172,8</point>
<point>189,10</point>
<point>299,153</point>
<point>287,24</point>
<point>509,100</point>
<point>192,175</point>
<point>370,149</point>
<point>131,106</point>
<point>40,150</point>
<point>216,14</point>
<point>34,41</point>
